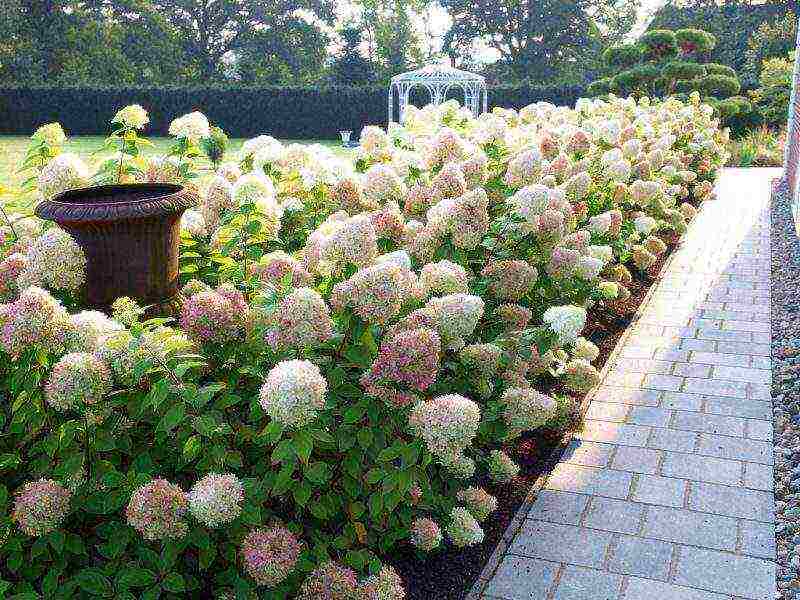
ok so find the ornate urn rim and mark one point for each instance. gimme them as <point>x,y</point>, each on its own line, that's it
<point>108,203</point>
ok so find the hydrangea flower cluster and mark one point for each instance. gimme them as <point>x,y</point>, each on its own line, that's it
<point>377,293</point>
<point>301,320</point>
<point>214,316</point>
<point>443,278</point>
<point>385,585</point>
<point>35,319</point>
<point>478,502</point>
<point>65,172</point>
<point>270,555</point>
<point>455,317</point>
<point>40,507</point>
<point>216,499</point>
<point>501,467</point>
<point>464,218</point>
<point>157,509</point>
<point>293,393</point>
<point>566,322</point>
<point>425,534</point>
<point>510,279</point>
<point>464,529</point>
<point>447,425</point>
<point>54,261</point>
<point>329,581</point>
<point>192,127</point>
<point>78,381</point>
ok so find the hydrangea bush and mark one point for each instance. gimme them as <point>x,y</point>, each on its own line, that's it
<point>361,343</point>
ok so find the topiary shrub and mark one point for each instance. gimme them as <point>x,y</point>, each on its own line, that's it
<point>659,44</point>
<point>623,56</point>
<point>695,41</point>
<point>718,69</point>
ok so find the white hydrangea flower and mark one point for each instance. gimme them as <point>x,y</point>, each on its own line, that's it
<point>566,322</point>
<point>193,127</point>
<point>293,393</point>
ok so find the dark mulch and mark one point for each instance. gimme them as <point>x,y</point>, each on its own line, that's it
<point>451,574</point>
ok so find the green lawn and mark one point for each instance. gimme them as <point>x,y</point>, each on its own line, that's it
<point>12,151</point>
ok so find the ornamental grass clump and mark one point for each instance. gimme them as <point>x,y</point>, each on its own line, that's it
<point>357,348</point>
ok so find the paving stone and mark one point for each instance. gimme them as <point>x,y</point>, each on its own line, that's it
<point>732,501</point>
<point>701,468</point>
<point>647,589</point>
<point>715,387</point>
<point>759,477</point>
<point>744,348</point>
<point>561,543</point>
<point>520,578</point>
<point>665,491</point>
<point>643,365</point>
<point>668,383</point>
<point>682,401</point>
<point>559,507</point>
<point>623,395</point>
<point>579,583</point>
<point>614,515</point>
<point>649,415</point>
<point>692,370</point>
<point>639,556</point>
<point>726,573</point>
<point>758,539</point>
<point>735,448</point>
<point>590,480</point>
<point>702,422</point>
<point>689,527</point>
<point>590,454</point>
<point>607,411</point>
<point>742,374</point>
<point>737,408</point>
<point>636,460</point>
<point>759,430</point>
<point>716,358</point>
<point>616,433</point>
<point>673,439</point>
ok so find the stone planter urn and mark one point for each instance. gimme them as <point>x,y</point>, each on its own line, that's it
<point>130,235</point>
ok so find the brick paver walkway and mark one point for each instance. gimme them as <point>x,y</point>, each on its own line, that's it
<point>667,492</point>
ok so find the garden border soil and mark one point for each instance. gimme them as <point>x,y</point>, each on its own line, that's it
<point>463,574</point>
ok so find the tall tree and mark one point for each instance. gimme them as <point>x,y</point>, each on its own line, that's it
<point>349,66</point>
<point>539,38</point>
<point>211,30</point>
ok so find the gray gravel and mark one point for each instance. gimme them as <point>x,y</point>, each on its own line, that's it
<point>785,319</point>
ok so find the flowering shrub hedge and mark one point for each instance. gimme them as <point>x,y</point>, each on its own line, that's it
<point>360,342</point>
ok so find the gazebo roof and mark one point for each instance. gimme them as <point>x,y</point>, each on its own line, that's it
<point>438,73</point>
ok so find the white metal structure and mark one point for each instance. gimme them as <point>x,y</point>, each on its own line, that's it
<point>792,155</point>
<point>438,80</point>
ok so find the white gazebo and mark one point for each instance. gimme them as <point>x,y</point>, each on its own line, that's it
<point>438,80</point>
<point>791,162</point>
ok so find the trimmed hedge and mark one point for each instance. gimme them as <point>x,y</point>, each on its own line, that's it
<point>289,113</point>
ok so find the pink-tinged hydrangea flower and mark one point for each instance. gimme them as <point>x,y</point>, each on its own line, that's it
<point>611,290</point>
<point>157,509</point>
<point>40,507</point>
<point>447,425</point>
<point>195,286</point>
<point>376,294</point>
<point>478,502</point>
<point>425,534</point>
<point>54,261</point>
<point>26,230</point>
<point>386,585</point>
<point>374,140</point>
<point>329,581</point>
<point>585,349</point>
<point>33,319</point>
<point>345,194</point>
<point>214,317</point>
<point>510,279</point>
<point>65,172</point>
<point>645,224</point>
<point>408,360</point>
<point>578,240</point>
<point>293,393</point>
<point>524,169</point>
<point>442,278</point>
<point>620,273</point>
<point>589,267</point>
<point>578,143</point>
<point>301,320</point>
<point>270,555</point>
<point>563,262</point>
<point>645,191</point>
<point>642,257</point>
<point>514,316</point>
<point>548,145</point>
<point>502,469</point>
<point>126,311</point>
<point>530,202</point>
<point>420,198</point>
<point>91,327</point>
<point>526,409</point>
<point>551,225</point>
<point>449,182</point>
<point>566,322</point>
<point>580,376</point>
<point>275,267</point>
<point>474,169</point>
<point>216,499</point>
<point>577,186</point>
<point>655,245</point>
<point>341,241</point>
<point>389,221</point>
<point>465,219</point>
<point>78,380</point>
<point>117,351</point>
<point>455,317</point>
<point>464,529</point>
<point>600,224</point>
<point>10,268</point>
<point>381,184</point>
<point>218,199</point>
<point>447,146</point>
